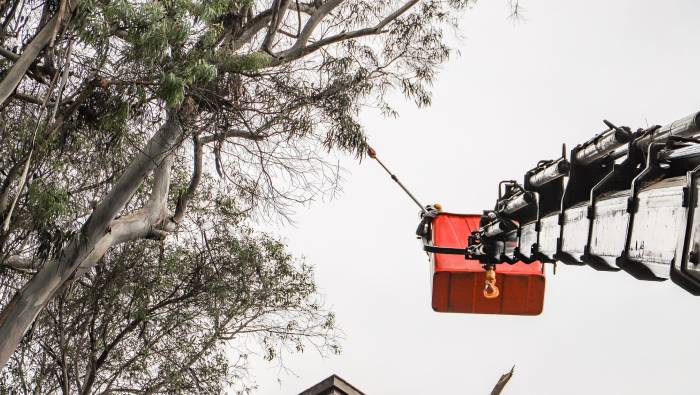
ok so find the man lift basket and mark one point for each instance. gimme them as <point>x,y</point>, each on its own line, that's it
<point>461,284</point>
<point>621,201</point>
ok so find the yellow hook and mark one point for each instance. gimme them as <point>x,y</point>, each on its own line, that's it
<point>490,288</point>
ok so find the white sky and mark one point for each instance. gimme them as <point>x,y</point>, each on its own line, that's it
<point>518,90</point>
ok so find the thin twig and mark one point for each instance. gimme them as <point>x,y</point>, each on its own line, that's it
<point>25,170</point>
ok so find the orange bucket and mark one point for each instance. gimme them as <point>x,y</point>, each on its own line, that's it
<point>458,283</point>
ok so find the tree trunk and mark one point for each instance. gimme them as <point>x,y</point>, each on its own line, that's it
<point>24,307</point>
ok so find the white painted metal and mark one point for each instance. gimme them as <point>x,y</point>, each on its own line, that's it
<point>609,228</point>
<point>510,244</point>
<point>658,224</point>
<point>549,233</point>
<point>575,231</point>
<point>528,238</point>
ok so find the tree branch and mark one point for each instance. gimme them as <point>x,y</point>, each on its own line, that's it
<point>232,133</point>
<point>498,388</point>
<point>185,198</point>
<point>8,54</point>
<point>306,8</point>
<point>251,28</point>
<point>21,311</point>
<point>257,23</point>
<point>298,51</point>
<point>279,9</point>
<point>7,183</point>
<point>141,224</point>
<point>157,202</point>
<point>32,99</point>
<point>20,263</point>
<point>311,25</point>
<point>30,53</point>
<point>154,155</point>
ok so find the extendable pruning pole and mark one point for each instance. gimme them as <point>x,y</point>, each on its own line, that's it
<point>490,289</point>
<point>373,154</point>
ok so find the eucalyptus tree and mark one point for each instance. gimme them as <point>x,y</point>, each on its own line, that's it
<point>152,319</point>
<point>112,125</point>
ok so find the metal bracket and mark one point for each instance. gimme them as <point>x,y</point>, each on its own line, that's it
<point>445,250</point>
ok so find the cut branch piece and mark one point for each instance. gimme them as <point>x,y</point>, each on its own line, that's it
<point>502,382</point>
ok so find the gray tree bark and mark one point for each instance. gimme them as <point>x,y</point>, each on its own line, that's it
<point>498,388</point>
<point>96,236</point>
<point>102,231</point>
<point>39,42</point>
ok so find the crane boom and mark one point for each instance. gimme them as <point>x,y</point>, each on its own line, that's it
<point>621,201</point>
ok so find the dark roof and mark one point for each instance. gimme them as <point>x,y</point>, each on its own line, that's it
<point>332,385</point>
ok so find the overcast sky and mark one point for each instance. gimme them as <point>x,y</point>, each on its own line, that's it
<point>517,92</point>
